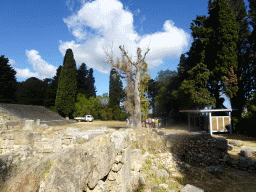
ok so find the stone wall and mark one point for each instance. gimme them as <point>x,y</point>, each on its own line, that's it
<point>75,160</point>
<point>201,149</point>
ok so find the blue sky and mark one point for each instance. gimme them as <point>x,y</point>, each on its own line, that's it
<point>35,34</point>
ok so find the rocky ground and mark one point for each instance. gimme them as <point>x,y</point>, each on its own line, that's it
<point>156,165</point>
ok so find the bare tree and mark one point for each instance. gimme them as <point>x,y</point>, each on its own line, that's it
<point>131,71</point>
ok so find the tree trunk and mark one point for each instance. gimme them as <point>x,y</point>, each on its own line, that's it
<point>137,110</point>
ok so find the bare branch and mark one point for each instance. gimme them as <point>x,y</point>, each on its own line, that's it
<point>126,55</point>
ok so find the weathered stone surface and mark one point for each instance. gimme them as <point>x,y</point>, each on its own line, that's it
<point>121,140</point>
<point>155,188</point>
<point>123,177</point>
<point>246,152</point>
<point>116,167</point>
<point>214,169</point>
<point>162,173</point>
<point>71,131</point>
<point>44,126</point>
<point>245,162</point>
<point>236,142</point>
<point>23,138</point>
<point>191,188</point>
<point>136,160</point>
<point>112,176</point>
<point>163,185</point>
<point>37,136</point>
<point>142,180</point>
<point>29,125</point>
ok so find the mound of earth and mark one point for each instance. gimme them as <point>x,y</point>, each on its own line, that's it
<point>33,112</point>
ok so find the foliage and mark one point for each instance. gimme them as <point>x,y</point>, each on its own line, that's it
<point>82,80</point>
<point>8,81</point>
<point>31,92</point>
<point>51,89</point>
<point>116,92</point>
<point>144,79</point>
<point>91,92</point>
<point>97,107</point>
<point>67,86</point>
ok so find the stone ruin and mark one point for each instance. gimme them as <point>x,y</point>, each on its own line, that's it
<point>75,160</point>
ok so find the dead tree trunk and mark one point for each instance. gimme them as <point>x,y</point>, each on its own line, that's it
<point>125,69</point>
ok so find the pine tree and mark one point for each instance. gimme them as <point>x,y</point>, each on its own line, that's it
<point>67,86</point>
<point>116,92</point>
<point>82,79</point>
<point>8,83</point>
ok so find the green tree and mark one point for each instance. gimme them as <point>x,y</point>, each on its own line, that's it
<point>243,72</point>
<point>67,86</point>
<point>221,52</point>
<point>252,41</point>
<point>144,79</point>
<point>31,92</point>
<point>8,83</point>
<point>82,80</point>
<point>151,95</point>
<point>91,81</point>
<point>116,92</point>
<point>51,90</point>
<point>193,74</point>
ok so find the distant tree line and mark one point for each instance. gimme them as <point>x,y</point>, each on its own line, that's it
<point>71,92</point>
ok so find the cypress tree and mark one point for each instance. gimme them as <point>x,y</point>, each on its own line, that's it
<point>8,83</point>
<point>252,22</point>
<point>243,72</point>
<point>115,89</point>
<point>67,86</point>
<point>91,87</point>
<point>82,79</point>
<point>222,55</point>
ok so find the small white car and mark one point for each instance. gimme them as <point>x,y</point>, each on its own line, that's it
<point>89,118</point>
<point>86,118</point>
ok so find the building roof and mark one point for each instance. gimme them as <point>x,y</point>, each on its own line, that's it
<point>207,110</point>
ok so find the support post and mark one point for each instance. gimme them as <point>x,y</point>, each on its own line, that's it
<point>230,125</point>
<point>189,121</point>
<point>210,119</point>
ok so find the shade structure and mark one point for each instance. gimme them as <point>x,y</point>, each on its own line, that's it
<point>216,123</point>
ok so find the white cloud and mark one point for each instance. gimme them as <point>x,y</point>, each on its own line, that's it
<point>101,22</point>
<point>11,62</point>
<point>40,66</point>
<point>25,73</point>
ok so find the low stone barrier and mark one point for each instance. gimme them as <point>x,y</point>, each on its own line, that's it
<point>101,164</point>
<point>200,149</point>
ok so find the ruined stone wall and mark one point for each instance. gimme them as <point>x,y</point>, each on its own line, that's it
<point>74,160</point>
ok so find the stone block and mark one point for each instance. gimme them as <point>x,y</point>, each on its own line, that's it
<point>71,131</point>
<point>23,138</point>
<point>126,154</point>
<point>236,142</point>
<point>37,136</point>
<point>116,167</point>
<point>38,122</point>
<point>221,143</point>
<point>9,144</point>
<point>121,140</point>
<point>44,126</point>
<point>112,176</point>
<point>245,162</point>
<point>57,144</point>
<point>246,152</point>
<point>214,169</point>
<point>29,125</point>
<point>123,176</point>
<point>190,188</point>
